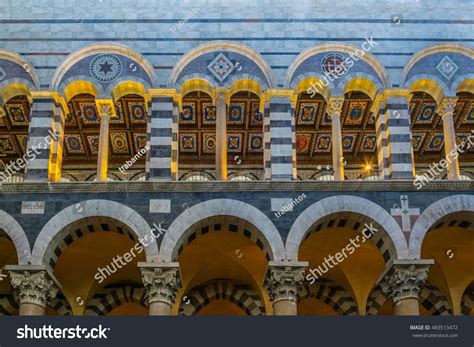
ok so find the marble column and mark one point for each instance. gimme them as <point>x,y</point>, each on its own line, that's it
<point>334,111</point>
<point>446,112</point>
<point>221,136</point>
<point>105,109</point>
<point>402,283</point>
<point>161,281</point>
<point>33,287</point>
<point>283,281</point>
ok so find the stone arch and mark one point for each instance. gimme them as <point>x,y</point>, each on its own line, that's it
<point>358,81</point>
<point>173,239</point>
<point>433,213</point>
<point>345,203</point>
<point>26,74</point>
<point>58,81</point>
<point>113,296</point>
<point>15,232</point>
<point>331,293</point>
<point>240,294</point>
<point>467,301</point>
<point>464,83</point>
<point>228,46</point>
<point>91,208</point>
<point>368,58</point>
<point>434,301</point>
<point>429,84</point>
<point>375,301</point>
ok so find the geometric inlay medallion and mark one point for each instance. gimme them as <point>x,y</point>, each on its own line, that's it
<point>447,67</point>
<point>105,67</point>
<point>221,67</point>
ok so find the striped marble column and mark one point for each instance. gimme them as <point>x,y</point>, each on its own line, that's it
<point>381,139</point>
<point>281,138</point>
<point>159,163</point>
<point>267,157</point>
<point>400,149</point>
<point>174,142</point>
<point>56,156</point>
<point>43,117</point>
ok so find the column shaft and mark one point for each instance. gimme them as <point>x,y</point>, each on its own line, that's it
<point>103,155</point>
<point>221,138</point>
<point>446,111</point>
<point>334,110</point>
<point>407,307</point>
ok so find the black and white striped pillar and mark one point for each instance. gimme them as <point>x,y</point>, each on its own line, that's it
<point>160,129</point>
<point>281,138</point>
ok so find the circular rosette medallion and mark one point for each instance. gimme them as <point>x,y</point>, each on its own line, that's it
<point>106,67</point>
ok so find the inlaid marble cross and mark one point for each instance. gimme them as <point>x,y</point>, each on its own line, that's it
<point>405,215</point>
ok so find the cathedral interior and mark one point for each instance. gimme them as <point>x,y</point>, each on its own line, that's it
<point>204,163</point>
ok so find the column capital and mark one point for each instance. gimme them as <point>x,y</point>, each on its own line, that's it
<point>404,279</point>
<point>282,280</point>
<point>161,281</point>
<point>105,107</point>
<point>335,106</point>
<point>222,93</point>
<point>33,284</point>
<point>447,107</point>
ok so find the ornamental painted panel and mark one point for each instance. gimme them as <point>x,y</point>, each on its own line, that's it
<point>88,113</point>
<point>17,114</point>
<point>209,113</point>
<point>368,143</point>
<point>435,144</point>
<point>188,142</point>
<point>348,142</point>
<point>93,141</point>
<point>6,145</point>
<point>74,144</point>
<point>209,142</point>
<point>23,141</point>
<point>256,117</point>
<point>469,117</point>
<point>426,114</point>
<point>303,142</point>
<point>307,113</point>
<point>188,114</point>
<point>417,140</point>
<point>355,113</point>
<point>323,143</point>
<point>234,142</point>
<point>236,113</point>
<point>137,112</point>
<point>119,143</point>
<point>255,143</point>
<point>447,67</point>
<point>140,141</point>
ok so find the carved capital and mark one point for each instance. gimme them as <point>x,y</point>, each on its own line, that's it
<point>447,107</point>
<point>405,280</point>
<point>105,108</point>
<point>335,107</point>
<point>283,281</point>
<point>33,287</point>
<point>161,284</point>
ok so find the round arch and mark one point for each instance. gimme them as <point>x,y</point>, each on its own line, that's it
<point>75,57</point>
<point>344,203</point>
<point>92,208</point>
<point>433,213</point>
<point>236,47</point>
<point>15,232</point>
<point>27,67</point>
<point>219,207</point>
<point>345,48</point>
